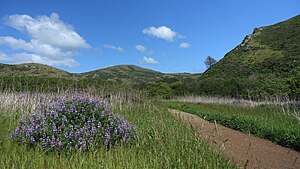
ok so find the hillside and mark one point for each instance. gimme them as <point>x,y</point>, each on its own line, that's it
<point>123,74</point>
<point>131,74</point>
<point>33,69</point>
<point>266,61</point>
<point>271,50</point>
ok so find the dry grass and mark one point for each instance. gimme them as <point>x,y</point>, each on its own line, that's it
<point>290,107</point>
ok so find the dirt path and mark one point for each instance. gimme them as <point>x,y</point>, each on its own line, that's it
<point>245,150</point>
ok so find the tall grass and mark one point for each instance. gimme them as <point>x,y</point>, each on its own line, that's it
<point>279,101</point>
<point>263,121</point>
<point>287,106</point>
<point>163,141</point>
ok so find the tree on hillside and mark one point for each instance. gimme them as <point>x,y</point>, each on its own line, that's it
<point>209,61</point>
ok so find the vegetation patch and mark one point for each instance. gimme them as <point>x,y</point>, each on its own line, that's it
<point>78,123</point>
<point>163,142</point>
<point>267,123</point>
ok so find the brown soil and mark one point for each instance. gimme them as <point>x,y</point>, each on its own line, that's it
<point>245,150</point>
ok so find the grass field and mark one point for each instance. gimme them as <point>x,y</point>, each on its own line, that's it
<point>263,121</point>
<point>163,143</point>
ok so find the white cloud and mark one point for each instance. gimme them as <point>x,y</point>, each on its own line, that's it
<point>34,58</point>
<point>48,30</point>
<point>140,48</point>
<point>34,47</point>
<point>162,32</point>
<point>52,42</point>
<point>149,61</point>
<point>117,48</point>
<point>184,45</point>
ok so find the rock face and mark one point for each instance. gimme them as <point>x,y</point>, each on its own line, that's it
<point>246,40</point>
<point>256,31</point>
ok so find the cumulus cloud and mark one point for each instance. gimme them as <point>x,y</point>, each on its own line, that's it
<point>140,48</point>
<point>117,48</point>
<point>149,61</point>
<point>47,30</point>
<point>34,46</point>
<point>184,45</point>
<point>52,42</point>
<point>162,32</point>
<point>33,58</point>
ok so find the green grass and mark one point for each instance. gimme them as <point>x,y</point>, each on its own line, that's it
<point>164,143</point>
<point>265,122</point>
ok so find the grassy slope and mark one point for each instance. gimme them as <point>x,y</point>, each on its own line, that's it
<point>125,74</point>
<point>267,123</point>
<point>164,143</point>
<point>272,52</point>
<point>135,74</point>
<point>33,69</point>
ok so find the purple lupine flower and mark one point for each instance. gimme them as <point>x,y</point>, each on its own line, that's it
<point>64,119</point>
<point>59,144</point>
<point>32,140</point>
<point>38,128</point>
<point>53,142</point>
<point>44,143</point>
<point>23,140</point>
<point>89,122</point>
<point>55,131</point>
<point>87,134</point>
<point>44,136</point>
<point>22,121</point>
<point>99,126</point>
<point>66,134</point>
<point>84,146</point>
<point>71,135</point>
<point>91,140</point>
<point>73,109</point>
<point>63,125</point>
<point>78,134</point>
<point>93,131</point>
<point>11,134</point>
<point>27,135</point>
<point>54,121</point>
<point>107,138</point>
<point>79,144</point>
<point>17,131</point>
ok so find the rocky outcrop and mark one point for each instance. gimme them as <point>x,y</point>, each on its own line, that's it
<point>245,43</point>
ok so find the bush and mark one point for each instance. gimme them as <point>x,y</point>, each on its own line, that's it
<point>160,90</point>
<point>74,123</point>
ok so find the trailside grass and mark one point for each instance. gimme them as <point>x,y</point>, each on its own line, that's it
<point>263,121</point>
<point>163,142</point>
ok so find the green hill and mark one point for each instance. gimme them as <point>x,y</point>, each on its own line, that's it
<point>131,74</point>
<point>266,62</point>
<point>124,74</point>
<point>33,69</point>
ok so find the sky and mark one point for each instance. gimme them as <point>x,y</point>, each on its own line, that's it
<point>170,36</point>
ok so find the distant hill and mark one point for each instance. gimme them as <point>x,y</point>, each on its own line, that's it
<point>265,62</point>
<point>33,69</point>
<point>131,74</point>
<point>122,74</point>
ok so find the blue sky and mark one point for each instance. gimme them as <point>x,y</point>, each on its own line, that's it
<point>167,36</point>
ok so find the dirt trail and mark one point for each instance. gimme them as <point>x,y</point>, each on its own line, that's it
<point>247,151</point>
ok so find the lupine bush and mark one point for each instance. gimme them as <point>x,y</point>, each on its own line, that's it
<point>74,123</point>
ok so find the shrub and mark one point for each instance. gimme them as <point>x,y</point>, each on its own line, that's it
<point>160,90</point>
<point>76,122</point>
